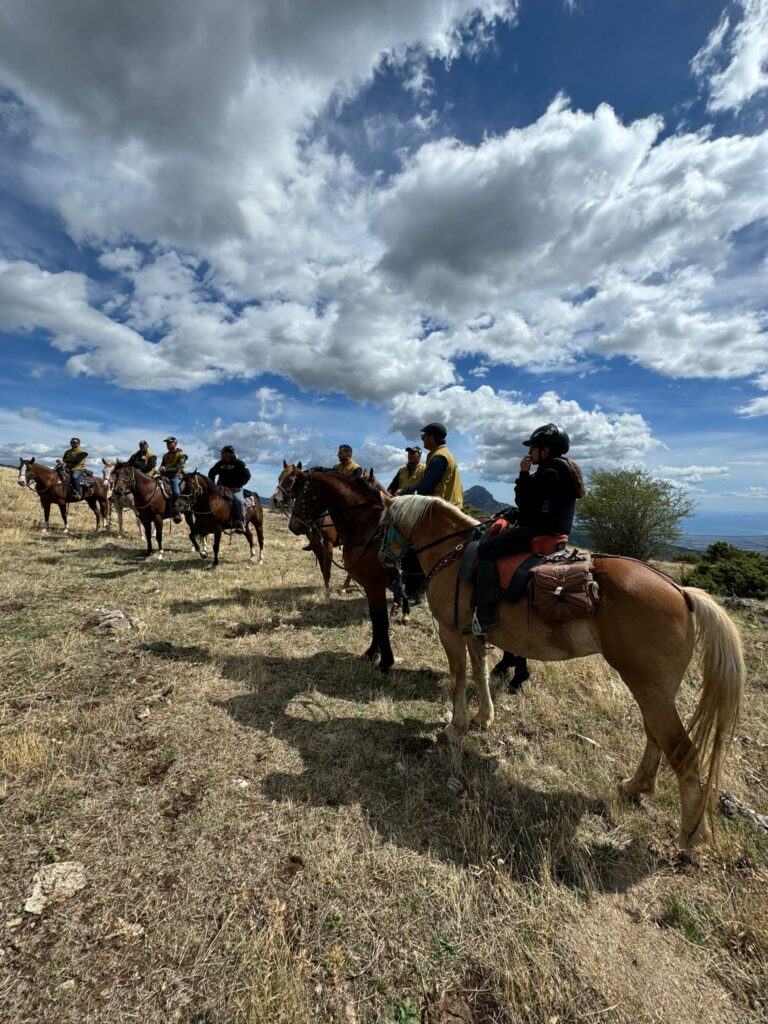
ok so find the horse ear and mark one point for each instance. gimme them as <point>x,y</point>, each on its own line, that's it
<point>32,459</point>
<point>103,460</point>
<point>298,465</point>
<point>285,464</point>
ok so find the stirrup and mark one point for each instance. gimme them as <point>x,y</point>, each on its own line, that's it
<point>475,629</point>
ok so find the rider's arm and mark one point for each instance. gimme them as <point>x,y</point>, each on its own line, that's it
<point>393,486</point>
<point>433,474</point>
<point>356,473</point>
<point>151,463</point>
<point>213,471</point>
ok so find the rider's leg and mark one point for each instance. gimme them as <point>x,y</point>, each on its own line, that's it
<point>238,510</point>
<point>508,542</point>
<point>75,477</point>
<point>175,483</point>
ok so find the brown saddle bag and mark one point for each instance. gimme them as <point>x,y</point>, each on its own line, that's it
<point>564,590</point>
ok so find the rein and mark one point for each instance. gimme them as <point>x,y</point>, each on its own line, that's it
<point>132,486</point>
<point>314,526</point>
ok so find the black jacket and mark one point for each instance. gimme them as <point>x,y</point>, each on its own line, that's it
<point>232,474</point>
<point>547,498</point>
<point>146,463</point>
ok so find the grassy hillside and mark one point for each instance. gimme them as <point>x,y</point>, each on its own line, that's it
<point>270,832</point>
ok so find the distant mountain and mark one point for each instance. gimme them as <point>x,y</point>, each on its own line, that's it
<point>484,500</point>
<point>701,541</point>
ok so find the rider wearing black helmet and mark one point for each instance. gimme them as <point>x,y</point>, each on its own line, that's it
<point>546,502</point>
<point>234,474</point>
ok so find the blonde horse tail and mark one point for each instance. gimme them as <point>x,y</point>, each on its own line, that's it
<point>723,675</point>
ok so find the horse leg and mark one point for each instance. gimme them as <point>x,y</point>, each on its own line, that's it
<point>644,779</point>
<point>148,532</point>
<point>46,515</point>
<point>159,535</point>
<point>512,661</point>
<point>455,648</point>
<point>259,527</point>
<point>249,538</point>
<point>406,616</point>
<point>477,659</point>
<point>216,543</point>
<point>377,609</point>
<point>64,509</point>
<point>104,514</point>
<point>663,723</point>
<point>325,559</point>
<point>192,536</point>
<point>93,505</point>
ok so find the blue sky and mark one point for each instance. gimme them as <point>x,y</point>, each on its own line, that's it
<point>289,226</point>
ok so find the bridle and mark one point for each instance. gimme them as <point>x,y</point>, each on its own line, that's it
<point>314,526</point>
<point>132,488</point>
<point>31,478</point>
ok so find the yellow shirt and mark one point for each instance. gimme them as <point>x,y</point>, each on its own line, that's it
<point>449,488</point>
<point>347,470</point>
<point>409,475</point>
<point>173,462</point>
<point>75,458</point>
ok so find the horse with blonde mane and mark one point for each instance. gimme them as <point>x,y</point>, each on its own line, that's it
<point>644,625</point>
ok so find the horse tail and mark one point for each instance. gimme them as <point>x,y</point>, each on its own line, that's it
<point>723,676</point>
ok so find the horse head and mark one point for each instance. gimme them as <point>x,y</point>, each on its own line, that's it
<point>282,498</point>
<point>27,475</point>
<point>122,477</point>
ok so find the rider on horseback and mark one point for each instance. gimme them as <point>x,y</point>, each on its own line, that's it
<point>346,464</point>
<point>172,468</point>
<point>546,503</point>
<point>233,474</point>
<point>73,460</point>
<point>441,475</point>
<point>144,459</point>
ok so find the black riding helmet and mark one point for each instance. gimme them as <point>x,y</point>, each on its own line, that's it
<point>549,436</point>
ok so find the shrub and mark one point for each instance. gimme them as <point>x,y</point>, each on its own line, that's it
<point>725,569</point>
<point>629,512</point>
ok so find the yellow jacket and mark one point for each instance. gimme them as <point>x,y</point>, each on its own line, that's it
<point>173,462</point>
<point>75,458</point>
<point>449,488</point>
<point>407,475</point>
<point>347,470</point>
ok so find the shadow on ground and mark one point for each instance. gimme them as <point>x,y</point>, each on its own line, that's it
<point>399,772</point>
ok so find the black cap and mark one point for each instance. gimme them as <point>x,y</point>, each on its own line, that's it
<point>437,430</point>
<point>414,448</point>
<point>167,439</point>
<point>142,443</point>
<point>227,449</point>
<point>74,440</point>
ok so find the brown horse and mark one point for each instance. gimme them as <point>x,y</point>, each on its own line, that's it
<point>355,506</point>
<point>150,503</point>
<point>52,490</point>
<point>212,513</point>
<point>643,625</point>
<point>322,538</point>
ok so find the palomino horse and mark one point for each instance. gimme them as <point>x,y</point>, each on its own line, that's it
<point>150,502</point>
<point>118,502</point>
<point>52,490</point>
<point>354,505</point>
<point>644,625</point>
<point>212,515</point>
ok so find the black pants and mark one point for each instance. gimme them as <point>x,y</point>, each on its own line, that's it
<point>508,542</point>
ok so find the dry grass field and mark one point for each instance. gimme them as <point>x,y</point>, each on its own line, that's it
<point>270,833</point>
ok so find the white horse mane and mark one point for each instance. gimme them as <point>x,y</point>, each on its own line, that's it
<point>410,509</point>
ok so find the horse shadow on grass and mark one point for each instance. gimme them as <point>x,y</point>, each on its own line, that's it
<point>469,811</point>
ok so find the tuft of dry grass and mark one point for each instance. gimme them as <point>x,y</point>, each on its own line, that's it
<point>268,831</point>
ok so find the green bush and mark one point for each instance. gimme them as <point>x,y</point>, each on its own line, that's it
<point>629,512</point>
<point>725,569</point>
